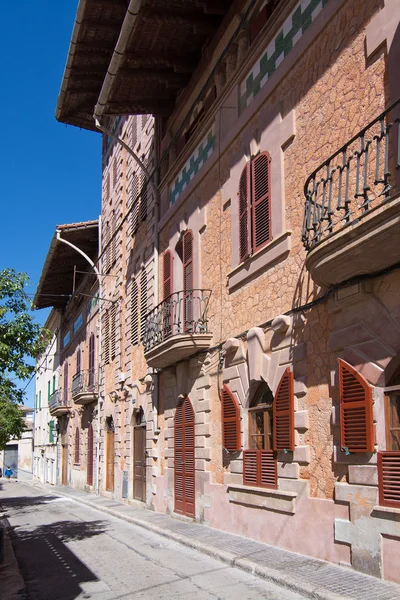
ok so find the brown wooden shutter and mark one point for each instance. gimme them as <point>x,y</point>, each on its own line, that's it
<point>90,455</point>
<point>230,421</point>
<point>167,274</point>
<point>250,467</point>
<point>106,337</point>
<point>91,379</point>
<point>134,301</point>
<point>284,413</point>
<point>143,198</point>
<point>389,478</point>
<point>113,341</point>
<point>134,132</point>
<point>143,305</point>
<point>244,213</point>
<point>77,446</point>
<point>66,382</point>
<point>114,238</point>
<point>184,458</point>
<point>260,468</point>
<point>261,200</point>
<point>356,416</point>
<point>115,172</point>
<point>188,281</point>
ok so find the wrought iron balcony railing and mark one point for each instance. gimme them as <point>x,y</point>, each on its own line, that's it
<point>84,382</point>
<point>355,179</point>
<point>58,400</point>
<point>184,312</point>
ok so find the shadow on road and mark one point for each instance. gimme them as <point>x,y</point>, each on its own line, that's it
<point>23,502</point>
<point>50,569</point>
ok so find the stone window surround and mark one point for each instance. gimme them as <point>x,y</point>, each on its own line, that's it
<point>268,499</point>
<point>230,98</point>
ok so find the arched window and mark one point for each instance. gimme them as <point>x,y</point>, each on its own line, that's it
<point>255,205</point>
<point>77,455</point>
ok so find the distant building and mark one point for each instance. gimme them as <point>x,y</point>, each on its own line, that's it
<point>18,454</point>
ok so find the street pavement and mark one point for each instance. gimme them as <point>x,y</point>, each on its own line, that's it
<point>67,550</point>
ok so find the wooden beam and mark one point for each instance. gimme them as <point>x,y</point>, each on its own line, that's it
<point>178,62</point>
<point>197,22</point>
<point>156,75</point>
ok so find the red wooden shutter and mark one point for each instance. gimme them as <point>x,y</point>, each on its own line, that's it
<point>184,459</point>
<point>78,361</point>
<point>261,200</point>
<point>106,337</point>
<point>188,281</point>
<point>167,274</point>
<point>91,379</point>
<point>356,416</point>
<point>113,342</point>
<point>178,459</point>
<point>244,213</point>
<point>77,446</point>
<point>230,421</point>
<point>389,478</point>
<point>284,413</point>
<point>90,455</point>
<point>250,467</point>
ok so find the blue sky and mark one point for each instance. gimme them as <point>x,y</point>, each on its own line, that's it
<point>51,173</point>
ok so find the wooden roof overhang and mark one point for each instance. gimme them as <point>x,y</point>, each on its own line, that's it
<point>57,279</point>
<point>158,48</point>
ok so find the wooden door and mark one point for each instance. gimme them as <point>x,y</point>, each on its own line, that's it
<point>110,461</point>
<point>64,473</point>
<point>184,459</point>
<point>90,456</point>
<point>139,463</point>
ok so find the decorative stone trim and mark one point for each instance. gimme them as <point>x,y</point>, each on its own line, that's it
<point>275,500</point>
<point>193,164</point>
<point>290,33</point>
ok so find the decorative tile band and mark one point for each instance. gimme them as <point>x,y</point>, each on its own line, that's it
<point>292,30</point>
<point>193,164</point>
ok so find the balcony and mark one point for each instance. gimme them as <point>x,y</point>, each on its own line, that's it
<point>351,221</point>
<point>58,403</point>
<point>84,387</point>
<point>177,328</point>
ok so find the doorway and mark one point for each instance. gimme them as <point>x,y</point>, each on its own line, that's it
<point>64,460</point>
<point>184,483</point>
<point>110,434</point>
<point>139,457</point>
<point>90,453</point>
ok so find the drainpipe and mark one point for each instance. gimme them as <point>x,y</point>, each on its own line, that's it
<point>153,187</point>
<point>95,269</point>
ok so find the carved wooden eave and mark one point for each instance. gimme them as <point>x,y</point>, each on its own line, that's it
<point>128,61</point>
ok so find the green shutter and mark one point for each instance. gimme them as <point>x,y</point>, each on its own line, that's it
<point>51,430</point>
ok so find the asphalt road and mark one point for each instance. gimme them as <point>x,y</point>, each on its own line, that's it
<point>66,551</point>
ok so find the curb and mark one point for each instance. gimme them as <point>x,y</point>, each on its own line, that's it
<point>267,573</point>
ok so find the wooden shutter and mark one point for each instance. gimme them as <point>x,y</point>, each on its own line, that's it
<point>78,361</point>
<point>115,172</point>
<point>91,380</point>
<point>389,478</point>
<point>106,337</point>
<point>184,458</point>
<point>356,416</point>
<point>77,446</point>
<point>114,239</point>
<point>134,300</point>
<point>230,421</point>
<point>90,455</point>
<point>134,132</point>
<point>106,254</point>
<point>261,200</point>
<point>134,204</point>
<point>188,281</point>
<point>65,382</point>
<point>260,468</point>
<point>244,213</point>
<point>51,432</point>
<point>113,340</point>
<point>284,413</point>
<point>143,305</point>
<point>167,274</point>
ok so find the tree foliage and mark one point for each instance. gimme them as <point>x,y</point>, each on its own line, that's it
<point>21,339</point>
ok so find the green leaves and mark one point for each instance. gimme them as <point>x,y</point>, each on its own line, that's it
<point>21,340</point>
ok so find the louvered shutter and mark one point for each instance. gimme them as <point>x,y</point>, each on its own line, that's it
<point>134,132</point>
<point>78,362</point>
<point>356,415</point>
<point>260,468</point>
<point>284,413</point>
<point>65,383</point>
<point>261,201</point>
<point>389,478</point>
<point>250,467</point>
<point>230,421</point>
<point>184,458</point>
<point>106,337</point>
<point>114,238</point>
<point>143,305</point>
<point>115,172</point>
<point>178,459</point>
<point>244,213</point>
<point>188,281</point>
<point>106,248</point>
<point>91,362</point>
<point>90,455</point>
<point>134,204</point>
<point>77,446</point>
<point>167,274</point>
<point>113,341</point>
<point>134,301</point>
<point>143,198</point>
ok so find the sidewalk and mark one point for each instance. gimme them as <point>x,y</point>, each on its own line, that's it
<point>308,576</point>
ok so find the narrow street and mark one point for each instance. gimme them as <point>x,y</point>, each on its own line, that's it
<point>67,551</point>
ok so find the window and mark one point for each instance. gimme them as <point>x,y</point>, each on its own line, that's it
<point>54,383</point>
<point>106,254</point>
<point>356,417</point>
<point>113,340</point>
<point>254,205</point>
<point>389,460</point>
<point>106,337</point>
<point>92,375</point>
<point>271,428</point>
<point>78,323</point>
<point>134,132</point>
<point>168,313</point>
<point>77,456</point>
<point>133,205</point>
<point>48,390</point>
<point>51,432</point>
<point>65,381</point>
<point>187,259</point>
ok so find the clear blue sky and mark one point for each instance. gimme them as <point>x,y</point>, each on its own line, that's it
<point>50,172</point>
